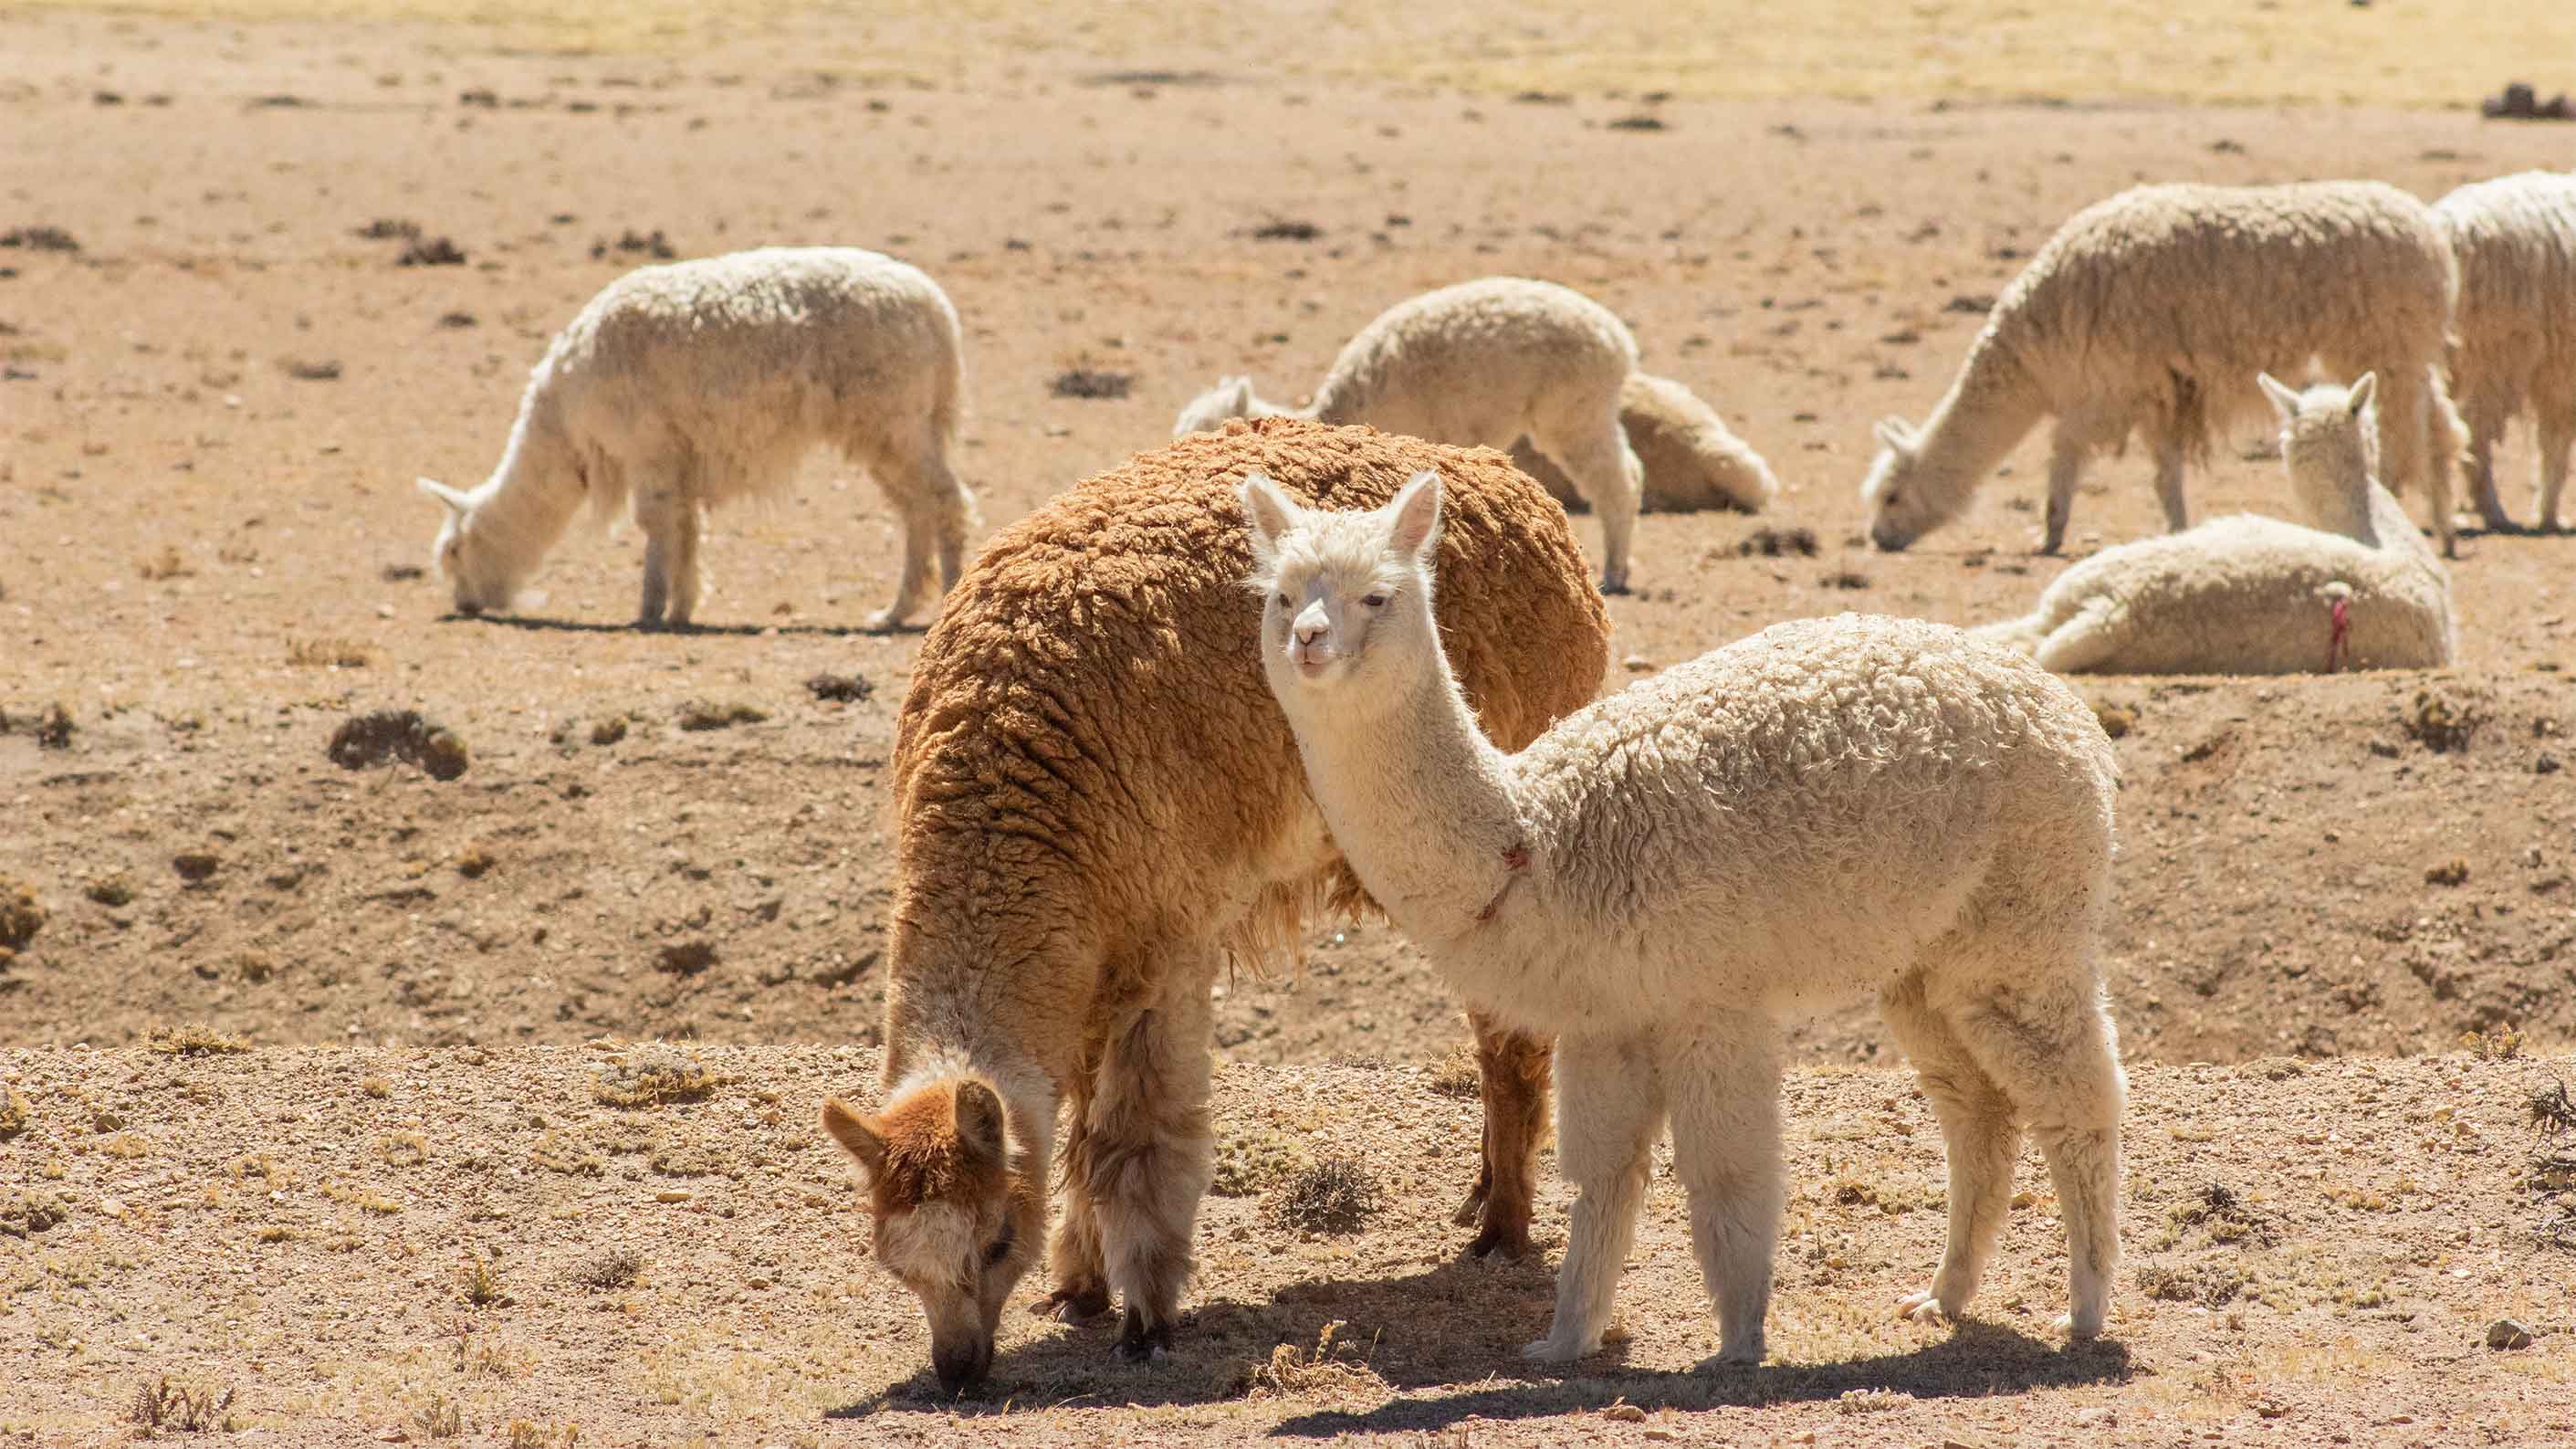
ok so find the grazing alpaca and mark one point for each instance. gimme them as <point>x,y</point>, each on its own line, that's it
<point>1831,809</point>
<point>2353,587</point>
<point>686,386</point>
<point>2146,313</point>
<point>2515,237</point>
<point>1693,461</point>
<point>1098,805</point>
<point>1483,363</point>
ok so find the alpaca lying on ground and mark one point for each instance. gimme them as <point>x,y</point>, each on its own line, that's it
<point>1692,461</point>
<point>1098,804</point>
<point>1485,362</point>
<point>689,385</point>
<point>2356,587</point>
<point>2515,238</point>
<point>1831,809</point>
<point>2147,312</point>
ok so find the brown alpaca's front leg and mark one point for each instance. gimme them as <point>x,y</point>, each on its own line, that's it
<point>1515,1070</point>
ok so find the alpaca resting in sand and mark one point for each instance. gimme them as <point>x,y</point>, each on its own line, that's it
<point>2355,586</point>
<point>1098,805</point>
<point>1830,809</point>
<point>1484,363</point>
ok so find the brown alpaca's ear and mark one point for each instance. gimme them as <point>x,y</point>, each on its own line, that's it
<point>979,1124</point>
<point>862,1137</point>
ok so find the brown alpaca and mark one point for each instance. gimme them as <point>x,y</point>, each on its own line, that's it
<point>1098,805</point>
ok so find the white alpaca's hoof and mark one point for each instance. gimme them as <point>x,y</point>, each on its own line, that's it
<point>1551,1350</point>
<point>883,621</point>
<point>2078,1332</point>
<point>1742,1354</point>
<point>1921,1307</point>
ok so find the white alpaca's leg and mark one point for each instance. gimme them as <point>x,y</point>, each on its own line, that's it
<point>934,508</point>
<point>1982,1136</point>
<point>1609,1106</point>
<point>1593,452</point>
<point>2477,473</point>
<point>2065,468</point>
<point>2052,1050</point>
<point>2169,456</point>
<point>2091,638</point>
<point>668,514</point>
<point>1724,1092</point>
<point>1146,1148</point>
<point>2556,431</point>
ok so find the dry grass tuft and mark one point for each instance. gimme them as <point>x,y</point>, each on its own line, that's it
<point>1336,1195</point>
<point>328,654</point>
<point>1458,1075</point>
<point>21,917</point>
<point>164,1407</point>
<point>707,714</point>
<point>167,564</point>
<point>2226,1217</point>
<point>482,1285</point>
<point>649,1076</point>
<point>440,1418</point>
<point>1328,1370</point>
<point>609,1271</point>
<point>195,1039</point>
<point>2440,724</point>
<point>368,739</point>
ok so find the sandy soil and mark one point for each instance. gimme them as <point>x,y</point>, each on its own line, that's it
<point>208,560</point>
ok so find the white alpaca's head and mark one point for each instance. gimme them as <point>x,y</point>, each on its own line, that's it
<point>1346,597</point>
<point>1902,504</point>
<point>2329,442</point>
<point>481,572</point>
<point>1231,398</point>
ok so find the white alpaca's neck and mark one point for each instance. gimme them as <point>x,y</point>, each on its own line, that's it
<point>533,494</point>
<point>1990,407</point>
<point>1418,799</point>
<point>2336,488</point>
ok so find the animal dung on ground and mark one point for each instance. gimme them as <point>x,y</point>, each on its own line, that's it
<point>386,734</point>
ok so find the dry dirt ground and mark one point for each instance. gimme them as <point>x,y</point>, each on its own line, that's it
<point>212,409</point>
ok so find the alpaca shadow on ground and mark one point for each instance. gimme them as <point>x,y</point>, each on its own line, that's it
<point>1977,1360</point>
<point>1460,1323</point>
<point>534,624</point>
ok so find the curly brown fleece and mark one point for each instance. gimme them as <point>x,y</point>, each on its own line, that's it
<point>1094,791</point>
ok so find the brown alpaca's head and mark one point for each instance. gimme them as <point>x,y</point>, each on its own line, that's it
<point>953,1218</point>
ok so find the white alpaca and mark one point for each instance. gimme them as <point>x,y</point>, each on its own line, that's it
<point>1831,809</point>
<point>1484,363</point>
<point>2148,312</point>
<point>689,385</point>
<point>2354,587</point>
<point>2515,237</point>
<point>1693,461</point>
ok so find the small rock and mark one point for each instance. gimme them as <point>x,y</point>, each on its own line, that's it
<point>2547,764</point>
<point>194,865</point>
<point>1636,664</point>
<point>672,1194</point>
<point>1624,1414</point>
<point>2506,1333</point>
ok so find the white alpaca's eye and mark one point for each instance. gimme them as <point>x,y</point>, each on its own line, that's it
<point>1376,600</point>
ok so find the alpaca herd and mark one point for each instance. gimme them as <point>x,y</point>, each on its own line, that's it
<point>1287,667</point>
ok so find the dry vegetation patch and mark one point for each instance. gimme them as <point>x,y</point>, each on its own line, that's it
<point>653,1075</point>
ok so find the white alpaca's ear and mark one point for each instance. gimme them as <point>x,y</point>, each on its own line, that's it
<point>455,501</point>
<point>1416,529</point>
<point>1268,510</point>
<point>2364,388</point>
<point>1896,433</point>
<point>2285,399</point>
<point>1238,396</point>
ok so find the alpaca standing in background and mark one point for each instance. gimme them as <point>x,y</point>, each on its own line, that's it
<point>1099,806</point>
<point>1485,363</point>
<point>2147,313</point>
<point>2355,587</point>
<point>1832,809</point>
<point>687,386</point>
<point>2515,238</point>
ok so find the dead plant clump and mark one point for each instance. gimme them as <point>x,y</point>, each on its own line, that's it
<point>706,714</point>
<point>1083,380</point>
<point>1249,1161</point>
<point>162,1406</point>
<point>21,917</point>
<point>195,1039</point>
<point>2441,724</point>
<point>54,728</point>
<point>167,564</point>
<point>328,654</point>
<point>25,1214</point>
<point>839,688</point>
<point>15,1113</point>
<point>1336,1195</point>
<point>1328,1370</point>
<point>1778,543</point>
<point>2211,1285</point>
<point>2227,1217</point>
<point>650,1076</point>
<point>482,1285</point>
<point>1458,1075</point>
<point>368,739</point>
<point>609,1271</point>
<point>2550,1175</point>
